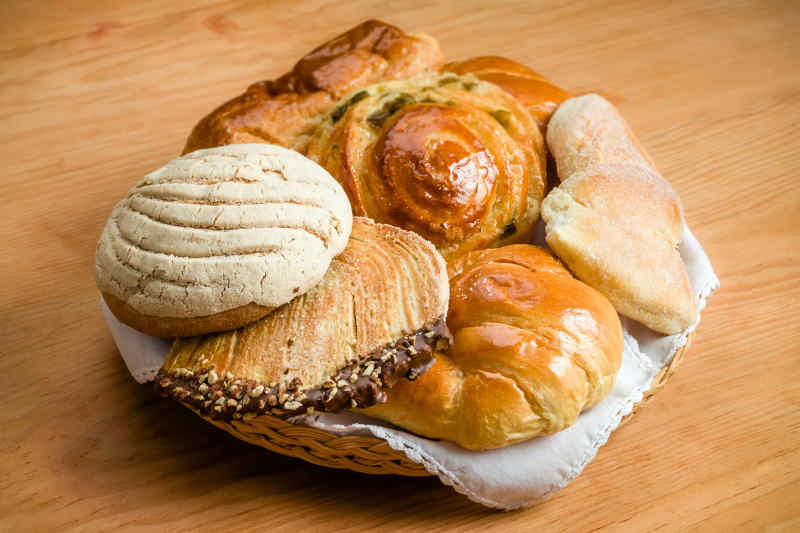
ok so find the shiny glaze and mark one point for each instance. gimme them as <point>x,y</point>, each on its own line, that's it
<point>532,348</point>
<point>539,96</point>
<point>437,172</point>
<point>455,159</point>
<point>342,59</point>
<point>282,111</point>
<point>520,305</point>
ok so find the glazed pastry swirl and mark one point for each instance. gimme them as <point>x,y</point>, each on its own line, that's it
<point>452,158</point>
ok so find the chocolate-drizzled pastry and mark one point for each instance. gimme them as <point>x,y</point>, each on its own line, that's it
<point>453,158</point>
<point>286,110</point>
<point>376,317</point>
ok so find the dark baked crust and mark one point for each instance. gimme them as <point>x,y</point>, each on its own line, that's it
<point>168,327</point>
<point>286,110</point>
<point>358,384</point>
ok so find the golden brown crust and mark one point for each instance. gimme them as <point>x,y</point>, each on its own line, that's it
<point>532,347</point>
<point>360,383</point>
<point>539,96</point>
<point>453,158</point>
<point>614,220</point>
<point>168,327</point>
<point>386,284</point>
<point>286,110</point>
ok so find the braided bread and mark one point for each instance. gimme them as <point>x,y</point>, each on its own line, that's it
<point>286,110</point>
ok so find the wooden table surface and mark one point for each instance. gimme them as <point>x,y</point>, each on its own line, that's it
<point>92,97</point>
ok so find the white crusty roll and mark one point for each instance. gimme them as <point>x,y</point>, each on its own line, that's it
<point>218,238</point>
<point>614,220</point>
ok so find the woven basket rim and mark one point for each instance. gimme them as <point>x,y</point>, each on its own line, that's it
<point>367,454</point>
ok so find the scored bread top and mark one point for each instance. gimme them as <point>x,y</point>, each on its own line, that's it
<point>222,228</point>
<point>387,284</point>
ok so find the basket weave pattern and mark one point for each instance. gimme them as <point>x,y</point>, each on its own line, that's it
<point>368,455</point>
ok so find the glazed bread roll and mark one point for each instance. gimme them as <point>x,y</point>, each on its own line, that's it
<point>218,238</point>
<point>453,158</point>
<point>285,111</point>
<point>374,318</point>
<point>536,93</point>
<point>532,348</point>
<point>614,220</point>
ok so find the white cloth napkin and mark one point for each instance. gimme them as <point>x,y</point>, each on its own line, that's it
<point>518,475</point>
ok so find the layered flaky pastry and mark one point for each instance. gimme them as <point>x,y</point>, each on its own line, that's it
<point>456,159</point>
<point>375,318</point>
<point>532,348</point>
<point>535,92</point>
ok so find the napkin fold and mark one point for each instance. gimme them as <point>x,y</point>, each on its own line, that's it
<point>518,475</point>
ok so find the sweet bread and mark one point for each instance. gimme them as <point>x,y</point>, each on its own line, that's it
<point>286,110</point>
<point>614,220</point>
<point>218,238</point>
<point>536,93</point>
<point>453,158</point>
<point>532,348</point>
<point>375,318</point>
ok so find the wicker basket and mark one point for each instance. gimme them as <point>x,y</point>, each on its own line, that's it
<point>364,454</point>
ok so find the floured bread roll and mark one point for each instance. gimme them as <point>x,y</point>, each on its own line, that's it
<point>614,220</point>
<point>218,238</point>
<point>374,318</point>
<point>532,348</point>
<point>453,158</point>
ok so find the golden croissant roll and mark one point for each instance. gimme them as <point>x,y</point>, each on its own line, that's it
<point>532,348</point>
<point>539,95</point>
<point>285,111</point>
<point>375,318</point>
<point>453,158</point>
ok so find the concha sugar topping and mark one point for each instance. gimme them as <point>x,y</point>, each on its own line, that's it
<point>220,228</point>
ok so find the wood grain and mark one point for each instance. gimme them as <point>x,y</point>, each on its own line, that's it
<point>92,97</point>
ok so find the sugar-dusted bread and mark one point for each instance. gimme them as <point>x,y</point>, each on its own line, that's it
<point>218,238</point>
<point>374,318</point>
<point>536,93</point>
<point>614,220</point>
<point>532,348</point>
<point>456,159</point>
<point>286,110</point>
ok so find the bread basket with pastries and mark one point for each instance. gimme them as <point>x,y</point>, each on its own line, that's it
<point>384,262</point>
